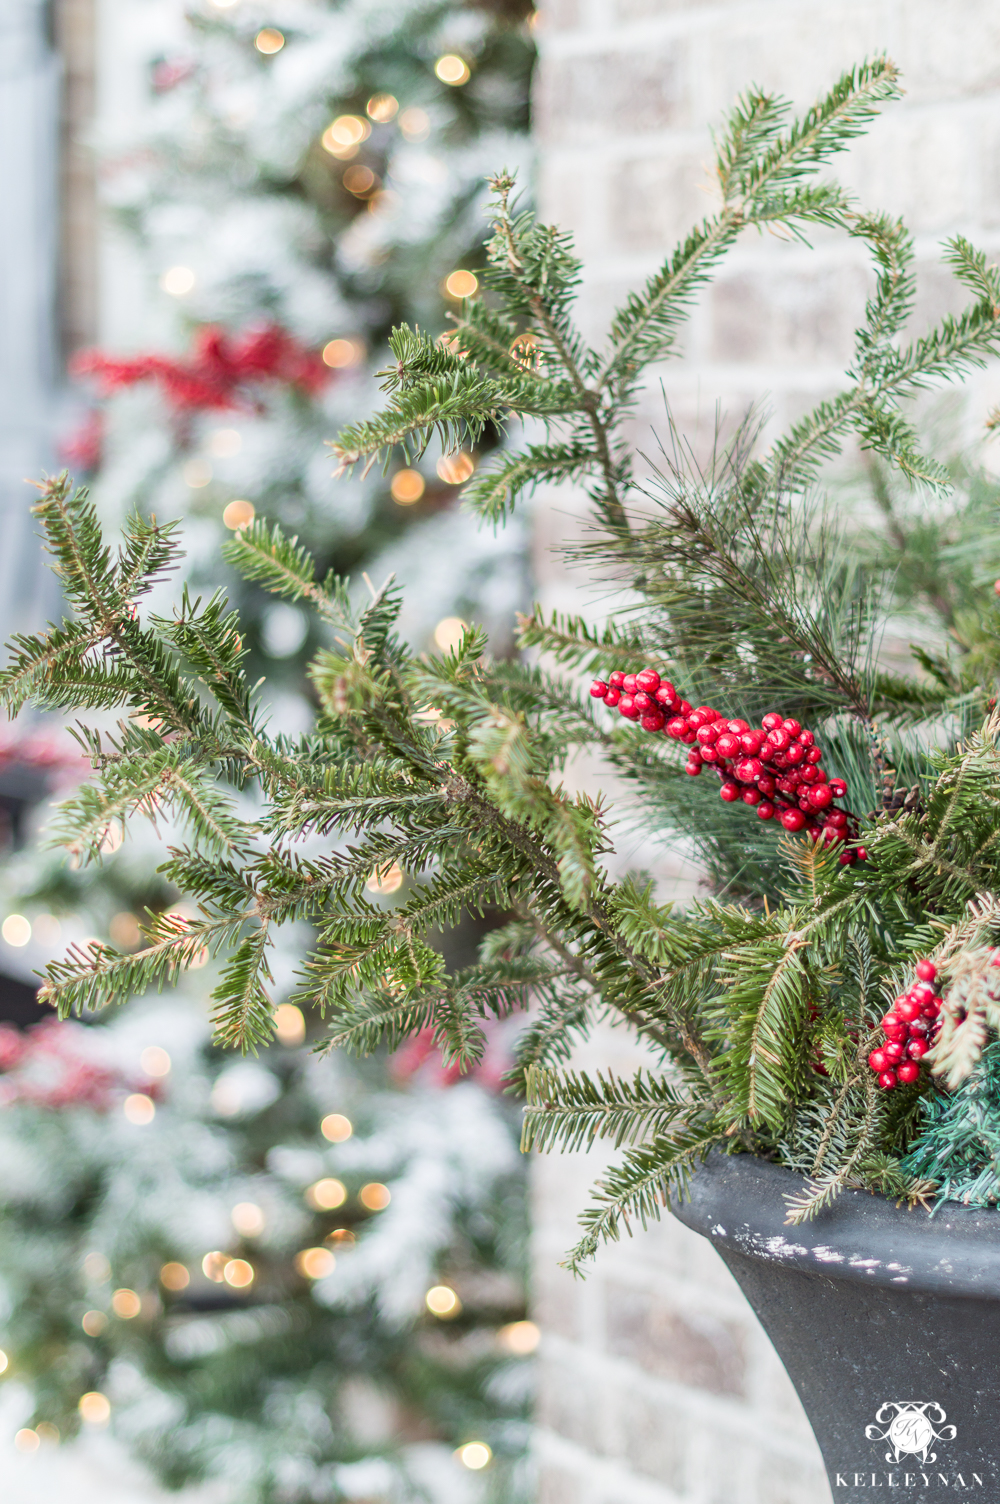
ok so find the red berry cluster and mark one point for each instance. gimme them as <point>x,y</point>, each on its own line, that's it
<point>776,768</point>
<point>909,1028</point>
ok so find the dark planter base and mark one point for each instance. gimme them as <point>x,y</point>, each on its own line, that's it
<point>887,1320</point>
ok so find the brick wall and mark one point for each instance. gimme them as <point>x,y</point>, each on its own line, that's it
<point>658,1385</point>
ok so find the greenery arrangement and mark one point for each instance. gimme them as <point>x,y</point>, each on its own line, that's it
<point>762,1001</point>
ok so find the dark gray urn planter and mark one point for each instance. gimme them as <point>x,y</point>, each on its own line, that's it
<point>887,1320</point>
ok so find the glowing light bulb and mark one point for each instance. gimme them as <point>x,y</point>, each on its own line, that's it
<point>461,284</point>
<point>126,1304</point>
<point>521,1337</point>
<point>374,1196</point>
<point>336,1127</point>
<point>177,280</point>
<point>93,1323</point>
<point>341,353</point>
<point>269,40</point>
<point>452,69</point>
<point>289,1024</point>
<point>16,930</point>
<point>238,514</point>
<point>248,1219</point>
<point>315,1263</point>
<point>26,1440</point>
<point>386,879</point>
<point>174,1276</point>
<point>238,1273</point>
<point>415,124</point>
<point>326,1194</point>
<point>442,1301</point>
<point>94,1408</point>
<point>155,1061</point>
<point>475,1455</point>
<point>449,633</point>
<point>455,469</point>
<point>407,487</point>
<point>383,108</point>
<point>197,473</point>
<point>139,1109</point>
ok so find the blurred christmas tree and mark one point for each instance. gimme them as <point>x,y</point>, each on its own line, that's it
<point>313,180</point>
<point>294,192</point>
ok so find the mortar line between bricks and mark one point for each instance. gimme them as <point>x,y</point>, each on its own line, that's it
<point>602,1470</point>
<point>735,1415</point>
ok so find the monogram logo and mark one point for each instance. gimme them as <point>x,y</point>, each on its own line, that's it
<point>909,1429</point>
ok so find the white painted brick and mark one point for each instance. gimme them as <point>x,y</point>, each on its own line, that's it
<point>659,1385</point>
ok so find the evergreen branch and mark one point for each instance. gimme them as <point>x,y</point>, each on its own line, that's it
<point>641,1185</point>
<point>572,1111</point>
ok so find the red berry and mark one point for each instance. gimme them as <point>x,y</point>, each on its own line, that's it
<point>752,741</point>
<point>665,696</point>
<point>839,787</point>
<point>653,721</point>
<point>738,727</point>
<point>708,715</point>
<point>926,971</point>
<point>908,1008</point>
<point>793,819</point>
<point>771,721</point>
<point>806,738</point>
<point>729,792</point>
<point>820,796</point>
<point>696,720</point>
<point>694,768</point>
<point>792,727</point>
<point>765,810</point>
<point>612,697</point>
<point>917,1049</point>
<point>644,702</point>
<point>751,796</point>
<point>808,775</point>
<point>877,1060</point>
<point>796,754</point>
<point>708,735</point>
<point>710,754</point>
<point>837,818</point>
<point>688,738</point>
<point>649,680</point>
<point>728,744</point>
<point>887,1080</point>
<point>922,993</point>
<point>617,679</point>
<point>747,769</point>
<point>684,708</point>
<point>598,689</point>
<point>996,586</point>
<point>677,727</point>
<point>895,1030</point>
<point>629,684</point>
<point>779,739</point>
<point>628,708</point>
<point>908,1071</point>
<point>931,1010</point>
<point>831,835</point>
<point>893,1051</point>
<point>766,785</point>
<point>846,858</point>
<point>813,754</point>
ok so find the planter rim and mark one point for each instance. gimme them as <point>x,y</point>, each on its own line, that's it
<point>739,1203</point>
